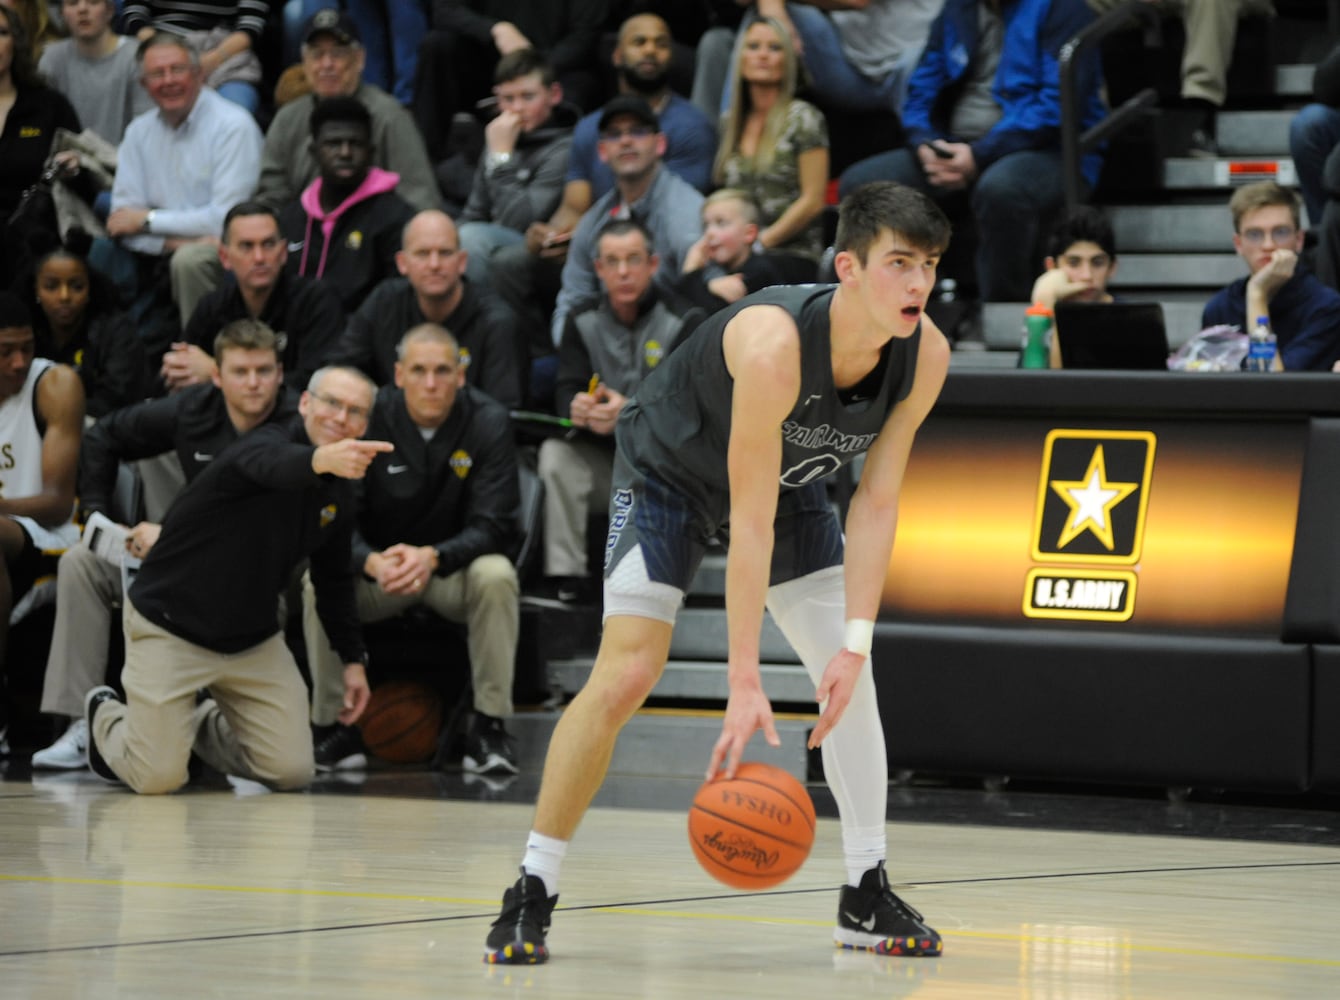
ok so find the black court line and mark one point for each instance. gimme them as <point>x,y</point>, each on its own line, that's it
<point>456,918</point>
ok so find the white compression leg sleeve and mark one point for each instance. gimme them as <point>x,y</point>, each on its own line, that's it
<point>810,612</point>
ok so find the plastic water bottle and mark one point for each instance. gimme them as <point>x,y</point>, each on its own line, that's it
<point>1261,347</point>
<point>1037,325</point>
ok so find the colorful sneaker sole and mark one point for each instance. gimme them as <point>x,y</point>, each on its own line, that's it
<point>526,954</point>
<point>904,947</point>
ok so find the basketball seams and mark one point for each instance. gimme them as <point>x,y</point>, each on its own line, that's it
<point>802,808</point>
<point>736,822</point>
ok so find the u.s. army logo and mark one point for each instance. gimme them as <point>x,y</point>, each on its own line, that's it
<point>328,514</point>
<point>461,463</point>
<point>1092,496</point>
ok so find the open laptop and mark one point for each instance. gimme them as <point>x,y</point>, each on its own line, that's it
<point>1127,335</point>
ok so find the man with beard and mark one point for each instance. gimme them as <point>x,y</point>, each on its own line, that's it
<point>344,229</point>
<point>528,275</point>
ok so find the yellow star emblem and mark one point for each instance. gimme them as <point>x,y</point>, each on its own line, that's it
<point>1091,501</point>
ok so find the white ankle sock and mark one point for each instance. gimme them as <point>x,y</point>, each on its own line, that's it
<point>863,849</point>
<point>544,857</point>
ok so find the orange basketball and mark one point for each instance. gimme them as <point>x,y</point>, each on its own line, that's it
<point>402,722</point>
<point>752,831</point>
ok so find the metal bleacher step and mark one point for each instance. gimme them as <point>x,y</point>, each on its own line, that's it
<point>1253,133</point>
<point>697,680</point>
<point>1174,269</point>
<point>1203,226</point>
<point>667,742</point>
<point>1294,80</point>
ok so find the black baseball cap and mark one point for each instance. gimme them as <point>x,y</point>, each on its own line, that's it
<point>628,104</point>
<point>335,23</point>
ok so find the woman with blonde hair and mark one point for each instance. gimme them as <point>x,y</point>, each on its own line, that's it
<point>773,145</point>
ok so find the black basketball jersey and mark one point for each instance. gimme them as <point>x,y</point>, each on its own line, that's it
<point>677,426</point>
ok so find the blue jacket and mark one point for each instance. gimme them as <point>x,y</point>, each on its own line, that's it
<point>1304,315</point>
<point>1027,85</point>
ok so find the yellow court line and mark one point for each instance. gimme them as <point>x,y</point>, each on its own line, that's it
<point>1051,939</point>
<point>1084,942</point>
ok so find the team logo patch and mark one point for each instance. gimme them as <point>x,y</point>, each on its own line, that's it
<point>464,355</point>
<point>653,353</point>
<point>328,514</point>
<point>461,463</point>
<point>1093,493</point>
<point>354,240</point>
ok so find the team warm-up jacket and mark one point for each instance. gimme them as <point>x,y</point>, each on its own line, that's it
<point>352,247</point>
<point>234,536</point>
<point>305,315</point>
<point>193,422</point>
<point>458,491</point>
<point>486,329</point>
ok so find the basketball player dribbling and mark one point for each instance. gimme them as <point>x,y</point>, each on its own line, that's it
<point>731,437</point>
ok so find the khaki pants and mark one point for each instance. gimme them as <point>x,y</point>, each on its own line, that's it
<point>88,588</point>
<point>576,477</point>
<point>485,597</point>
<point>1211,28</point>
<point>256,726</point>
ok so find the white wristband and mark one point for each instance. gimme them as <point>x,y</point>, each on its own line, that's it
<point>860,635</point>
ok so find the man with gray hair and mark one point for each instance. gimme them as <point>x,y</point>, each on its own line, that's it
<point>180,168</point>
<point>332,60</point>
<point>436,523</point>
<point>203,611</point>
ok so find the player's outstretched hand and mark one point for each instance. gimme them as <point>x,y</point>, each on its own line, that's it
<point>835,687</point>
<point>747,710</point>
<point>348,458</point>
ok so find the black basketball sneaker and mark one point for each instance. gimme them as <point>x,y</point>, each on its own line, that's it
<point>872,918</point>
<point>517,937</point>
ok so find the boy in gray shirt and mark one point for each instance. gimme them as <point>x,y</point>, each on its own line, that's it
<point>95,69</point>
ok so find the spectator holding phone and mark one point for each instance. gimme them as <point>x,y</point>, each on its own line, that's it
<point>983,122</point>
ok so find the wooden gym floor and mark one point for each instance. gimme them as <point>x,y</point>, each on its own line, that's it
<point>384,886</point>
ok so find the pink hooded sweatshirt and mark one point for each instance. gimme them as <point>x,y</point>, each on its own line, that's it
<point>378,181</point>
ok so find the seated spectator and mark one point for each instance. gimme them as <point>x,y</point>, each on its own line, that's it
<point>34,112</point>
<point>1081,259</point>
<point>332,61</point>
<point>79,323</point>
<point>457,58</point>
<point>434,289</point>
<point>41,423</point>
<point>95,68</point>
<point>519,180</point>
<point>857,59</point>
<point>1211,27</point>
<point>1315,136</point>
<point>983,123</point>
<point>529,276</point>
<point>305,314</point>
<point>180,168</point>
<point>775,146</point>
<point>223,33</point>
<point>723,267</point>
<point>1304,314</point>
<point>196,425</point>
<point>276,497</point>
<point>606,351</point>
<point>436,521</point>
<point>632,144</point>
<point>344,230</point>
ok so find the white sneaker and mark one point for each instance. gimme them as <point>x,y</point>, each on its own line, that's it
<point>69,753</point>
